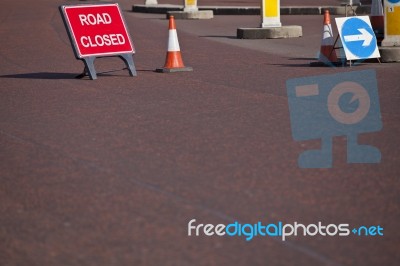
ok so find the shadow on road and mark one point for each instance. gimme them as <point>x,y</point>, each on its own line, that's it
<point>218,36</point>
<point>55,75</point>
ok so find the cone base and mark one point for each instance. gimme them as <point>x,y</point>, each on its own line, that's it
<point>173,70</point>
<point>327,54</point>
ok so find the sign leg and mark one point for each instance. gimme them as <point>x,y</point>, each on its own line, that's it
<point>129,63</point>
<point>89,66</point>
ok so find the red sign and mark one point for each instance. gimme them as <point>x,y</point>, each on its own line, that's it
<point>97,30</point>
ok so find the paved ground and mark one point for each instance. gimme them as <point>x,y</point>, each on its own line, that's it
<point>110,172</point>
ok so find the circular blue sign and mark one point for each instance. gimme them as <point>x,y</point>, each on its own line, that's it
<point>394,1</point>
<point>359,38</point>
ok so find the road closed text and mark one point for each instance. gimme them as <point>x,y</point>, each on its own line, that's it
<point>102,40</point>
<point>109,39</point>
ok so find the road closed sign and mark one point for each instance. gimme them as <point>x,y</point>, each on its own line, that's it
<point>97,30</point>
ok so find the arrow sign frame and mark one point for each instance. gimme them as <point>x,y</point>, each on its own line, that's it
<point>358,38</point>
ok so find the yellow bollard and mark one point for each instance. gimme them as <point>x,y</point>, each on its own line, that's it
<point>390,47</point>
<point>270,13</point>
<point>190,5</point>
<point>392,23</point>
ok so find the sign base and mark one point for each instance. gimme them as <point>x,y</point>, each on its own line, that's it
<point>90,71</point>
<point>389,54</point>
<point>293,31</point>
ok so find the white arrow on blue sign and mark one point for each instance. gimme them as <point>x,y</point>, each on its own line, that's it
<point>365,36</point>
<point>358,37</point>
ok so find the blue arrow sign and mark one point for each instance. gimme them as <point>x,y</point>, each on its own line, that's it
<point>359,38</point>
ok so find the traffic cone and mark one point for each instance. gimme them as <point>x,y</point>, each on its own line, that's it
<point>327,52</point>
<point>173,61</point>
<point>377,19</point>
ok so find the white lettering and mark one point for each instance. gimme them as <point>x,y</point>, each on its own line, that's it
<point>84,39</point>
<point>100,19</point>
<point>107,40</point>
<point>121,39</point>
<point>97,19</point>
<point>99,40</point>
<point>92,19</point>
<point>208,229</point>
<point>90,41</point>
<point>190,226</point>
<point>114,39</point>
<point>220,229</point>
<point>102,40</point>
<point>107,18</point>
<point>83,19</point>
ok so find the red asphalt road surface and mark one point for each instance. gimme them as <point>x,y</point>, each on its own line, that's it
<point>110,171</point>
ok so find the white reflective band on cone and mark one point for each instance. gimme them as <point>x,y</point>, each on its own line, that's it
<point>173,43</point>
<point>327,37</point>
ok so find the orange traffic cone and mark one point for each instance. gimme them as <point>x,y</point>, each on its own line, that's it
<point>327,53</point>
<point>173,61</point>
<point>377,19</point>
